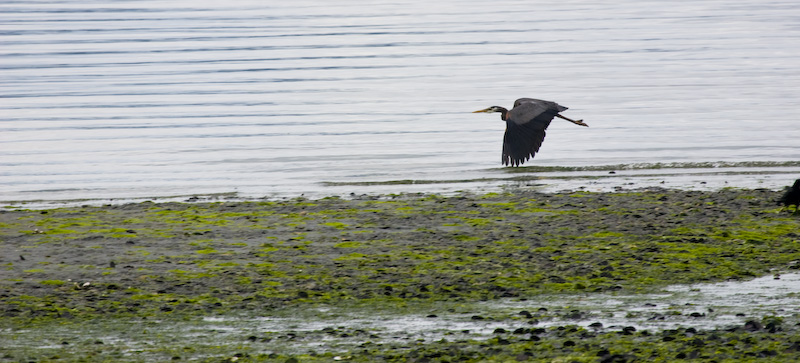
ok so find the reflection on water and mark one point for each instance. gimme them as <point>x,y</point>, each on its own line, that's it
<point>147,98</point>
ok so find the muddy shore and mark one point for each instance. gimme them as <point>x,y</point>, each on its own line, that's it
<point>183,261</point>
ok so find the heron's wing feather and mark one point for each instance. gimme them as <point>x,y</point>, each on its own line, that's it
<point>522,141</point>
<point>548,104</point>
<point>525,112</point>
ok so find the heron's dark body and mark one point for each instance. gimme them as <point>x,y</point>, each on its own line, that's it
<point>791,196</point>
<point>525,127</point>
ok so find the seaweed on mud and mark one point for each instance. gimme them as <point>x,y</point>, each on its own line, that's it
<point>184,260</point>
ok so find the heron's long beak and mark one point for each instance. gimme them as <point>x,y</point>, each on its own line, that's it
<point>484,110</point>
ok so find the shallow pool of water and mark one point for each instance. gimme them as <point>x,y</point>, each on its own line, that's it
<point>335,329</point>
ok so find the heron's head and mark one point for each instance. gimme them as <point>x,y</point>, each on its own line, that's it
<point>492,109</point>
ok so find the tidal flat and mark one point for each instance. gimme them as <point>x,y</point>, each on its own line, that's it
<point>518,276</point>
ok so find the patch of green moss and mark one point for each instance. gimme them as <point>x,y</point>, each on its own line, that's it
<point>337,225</point>
<point>52,282</point>
<point>348,244</point>
<point>351,256</point>
<point>190,274</point>
<point>465,238</point>
<point>206,251</point>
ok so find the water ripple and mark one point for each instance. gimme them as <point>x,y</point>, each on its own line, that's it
<point>145,98</point>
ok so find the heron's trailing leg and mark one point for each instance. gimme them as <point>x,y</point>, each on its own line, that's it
<point>579,122</point>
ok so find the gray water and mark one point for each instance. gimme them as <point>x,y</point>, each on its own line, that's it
<point>139,99</point>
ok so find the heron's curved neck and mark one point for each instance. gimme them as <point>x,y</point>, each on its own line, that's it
<point>503,113</point>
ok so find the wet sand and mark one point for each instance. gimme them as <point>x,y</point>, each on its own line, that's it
<point>178,261</point>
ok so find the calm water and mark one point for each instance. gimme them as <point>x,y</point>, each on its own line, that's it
<point>135,99</point>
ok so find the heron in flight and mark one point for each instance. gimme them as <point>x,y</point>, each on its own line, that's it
<point>525,125</point>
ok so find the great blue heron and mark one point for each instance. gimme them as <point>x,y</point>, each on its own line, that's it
<point>525,125</point>
<point>792,196</point>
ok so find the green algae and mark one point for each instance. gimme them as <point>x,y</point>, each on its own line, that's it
<point>348,244</point>
<point>337,225</point>
<point>52,282</point>
<point>187,259</point>
<point>206,251</point>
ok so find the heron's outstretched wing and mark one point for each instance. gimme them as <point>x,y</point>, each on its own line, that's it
<point>522,141</point>
<point>525,129</point>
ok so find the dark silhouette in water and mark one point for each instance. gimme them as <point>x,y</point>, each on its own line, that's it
<point>791,196</point>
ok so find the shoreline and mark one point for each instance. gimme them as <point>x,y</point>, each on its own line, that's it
<point>701,176</point>
<point>177,261</point>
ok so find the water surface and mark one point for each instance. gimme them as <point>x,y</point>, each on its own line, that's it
<point>139,99</point>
